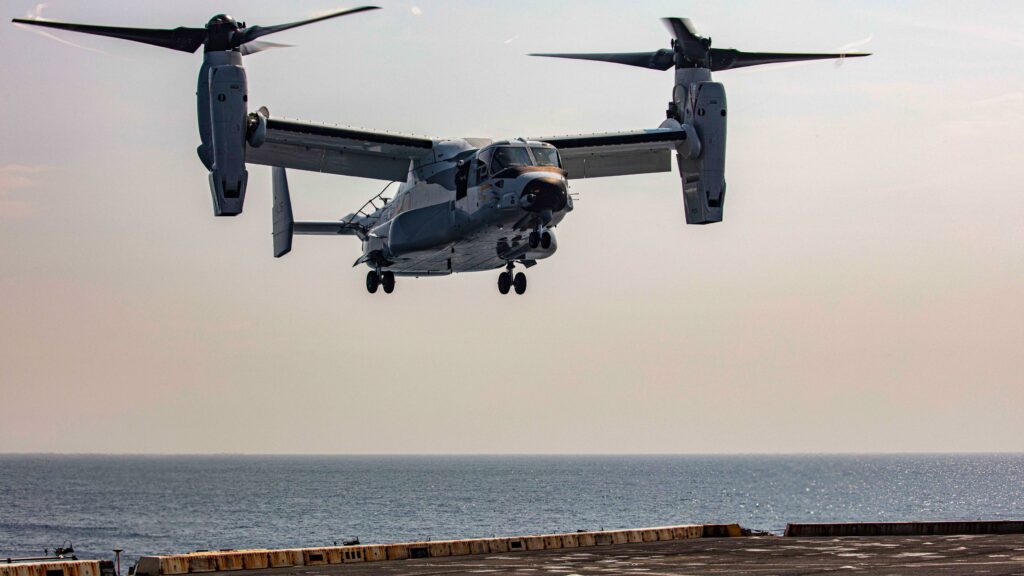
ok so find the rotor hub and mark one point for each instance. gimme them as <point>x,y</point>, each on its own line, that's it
<point>220,31</point>
<point>221,20</point>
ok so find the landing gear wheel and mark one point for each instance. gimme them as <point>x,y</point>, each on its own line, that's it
<point>535,239</point>
<point>504,282</point>
<point>372,281</point>
<point>387,280</point>
<point>519,282</point>
<point>545,240</point>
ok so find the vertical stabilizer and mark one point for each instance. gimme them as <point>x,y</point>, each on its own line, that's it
<point>284,222</point>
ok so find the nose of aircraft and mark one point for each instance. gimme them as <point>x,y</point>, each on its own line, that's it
<point>544,193</point>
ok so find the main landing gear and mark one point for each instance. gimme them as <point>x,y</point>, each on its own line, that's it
<point>375,278</point>
<point>506,280</point>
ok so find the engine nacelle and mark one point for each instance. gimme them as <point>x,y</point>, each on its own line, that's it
<point>703,174</point>
<point>222,108</point>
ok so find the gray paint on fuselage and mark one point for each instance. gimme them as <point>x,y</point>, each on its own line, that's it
<point>425,230</point>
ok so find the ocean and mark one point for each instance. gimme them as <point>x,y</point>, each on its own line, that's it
<point>163,504</point>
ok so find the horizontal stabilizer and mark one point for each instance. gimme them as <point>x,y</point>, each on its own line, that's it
<point>328,228</point>
<point>285,226</point>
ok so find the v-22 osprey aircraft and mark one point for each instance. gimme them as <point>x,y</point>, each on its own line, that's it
<point>463,204</point>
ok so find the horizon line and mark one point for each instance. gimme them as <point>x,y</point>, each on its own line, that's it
<point>515,454</point>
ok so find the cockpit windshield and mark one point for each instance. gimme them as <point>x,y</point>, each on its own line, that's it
<point>506,156</point>
<point>545,156</point>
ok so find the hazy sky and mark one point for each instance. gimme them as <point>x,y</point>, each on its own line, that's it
<point>863,294</point>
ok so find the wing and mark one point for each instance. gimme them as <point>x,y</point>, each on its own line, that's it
<point>619,153</point>
<point>320,148</point>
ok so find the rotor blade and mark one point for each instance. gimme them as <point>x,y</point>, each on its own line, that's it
<point>681,28</point>
<point>260,46</point>
<point>254,32</point>
<point>727,59</point>
<point>181,38</point>
<point>659,60</point>
<point>692,46</point>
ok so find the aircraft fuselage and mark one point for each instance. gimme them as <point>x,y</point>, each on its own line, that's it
<point>467,209</point>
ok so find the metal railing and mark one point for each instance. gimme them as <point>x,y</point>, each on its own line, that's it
<point>370,207</point>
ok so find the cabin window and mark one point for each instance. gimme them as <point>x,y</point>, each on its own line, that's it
<point>546,156</point>
<point>508,156</point>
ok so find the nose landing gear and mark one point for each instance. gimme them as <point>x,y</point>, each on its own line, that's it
<point>540,237</point>
<point>507,281</point>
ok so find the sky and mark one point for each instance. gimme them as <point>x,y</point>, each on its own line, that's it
<point>864,293</point>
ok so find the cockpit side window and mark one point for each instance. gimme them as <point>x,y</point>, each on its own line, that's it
<point>506,156</point>
<point>483,160</point>
<point>546,156</point>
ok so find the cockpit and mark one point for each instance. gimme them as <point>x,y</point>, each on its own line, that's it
<point>495,159</point>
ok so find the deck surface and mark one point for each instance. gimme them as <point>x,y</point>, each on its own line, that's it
<point>993,555</point>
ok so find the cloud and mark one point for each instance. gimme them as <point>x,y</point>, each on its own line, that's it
<point>512,39</point>
<point>15,178</point>
<point>1010,36</point>
<point>15,209</point>
<point>18,176</point>
<point>416,11</point>
<point>1008,98</point>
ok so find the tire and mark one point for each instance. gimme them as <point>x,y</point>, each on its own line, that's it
<point>534,239</point>
<point>504,282</point>
<point>520,283</point>
<point>387,280</point>
<point>372,281</point>
<point>545,240</point>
